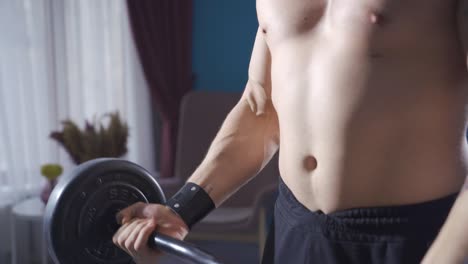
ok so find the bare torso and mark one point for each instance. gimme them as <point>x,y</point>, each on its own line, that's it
<point>370,97</point>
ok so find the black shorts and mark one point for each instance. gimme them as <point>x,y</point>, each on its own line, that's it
<point>381,235</point>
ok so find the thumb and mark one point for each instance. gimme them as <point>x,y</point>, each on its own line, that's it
<point>129,213</point>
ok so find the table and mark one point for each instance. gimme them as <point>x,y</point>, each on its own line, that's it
<point>28,243</point>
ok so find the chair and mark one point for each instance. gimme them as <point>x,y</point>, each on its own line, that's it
<point>243,216</point>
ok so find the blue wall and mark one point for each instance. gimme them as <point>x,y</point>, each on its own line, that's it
<point>223,37</point>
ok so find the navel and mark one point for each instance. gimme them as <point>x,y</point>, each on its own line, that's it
<point>310,163</point>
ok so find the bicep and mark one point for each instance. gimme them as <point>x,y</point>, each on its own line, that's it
<point>258,89</point>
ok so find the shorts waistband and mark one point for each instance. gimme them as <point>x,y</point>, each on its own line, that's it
<point>424,218</point>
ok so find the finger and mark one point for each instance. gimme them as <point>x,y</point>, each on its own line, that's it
<point>117,234</point>
<point>127,230</point>
<point>116,237</point>
<point>130,241</point>
<point>129,213</point>
<point>260,98</point>
<point>141,241</point>
<point>251,102</point>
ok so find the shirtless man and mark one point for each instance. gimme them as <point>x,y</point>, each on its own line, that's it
<point>366,100</point>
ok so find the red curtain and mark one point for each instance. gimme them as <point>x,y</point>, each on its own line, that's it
<point>162,30</point>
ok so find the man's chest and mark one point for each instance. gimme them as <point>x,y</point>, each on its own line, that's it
<point>281,19</point>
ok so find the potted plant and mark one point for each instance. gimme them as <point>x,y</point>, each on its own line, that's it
<point>51,172</point>
<point>95,140</point>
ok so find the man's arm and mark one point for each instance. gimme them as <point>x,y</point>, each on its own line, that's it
<point>451,245</point>
<point>249,136</point>
<point>246,141</point>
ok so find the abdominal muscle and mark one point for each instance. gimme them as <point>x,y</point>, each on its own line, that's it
<point>358,131</point>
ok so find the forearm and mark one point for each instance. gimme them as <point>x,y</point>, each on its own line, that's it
<point>452,240</point>
<point>242,147</point>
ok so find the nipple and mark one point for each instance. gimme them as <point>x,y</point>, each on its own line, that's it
<point>310,163</point>
<point>376,18</point>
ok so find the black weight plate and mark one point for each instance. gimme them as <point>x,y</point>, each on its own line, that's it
<point>79,220</point>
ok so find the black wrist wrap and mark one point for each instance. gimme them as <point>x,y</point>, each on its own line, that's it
<point>191,203</point>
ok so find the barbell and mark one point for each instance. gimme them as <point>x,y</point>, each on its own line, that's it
<point>80,216</point>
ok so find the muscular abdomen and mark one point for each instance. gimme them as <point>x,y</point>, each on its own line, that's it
<point>378,101</point>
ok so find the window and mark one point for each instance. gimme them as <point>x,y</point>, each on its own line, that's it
<point>66,59</point>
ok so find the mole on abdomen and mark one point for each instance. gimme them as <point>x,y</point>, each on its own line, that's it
<point>264,30</point>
